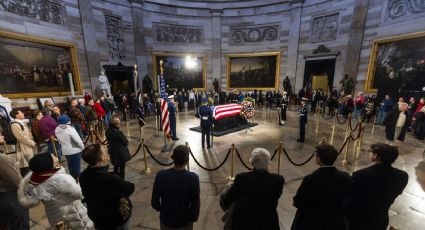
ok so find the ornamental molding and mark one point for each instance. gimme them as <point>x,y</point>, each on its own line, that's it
<point>44,10</point>
<point>169,33</point>
<point>115,37</point>
<point>241,35</point>
<point>401,8</point>
<point>324,28</point>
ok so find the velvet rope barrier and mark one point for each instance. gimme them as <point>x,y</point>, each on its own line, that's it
<point>339,122</point>
<point>212,169</point>
<point>240,158</point>
<point>274,154</point>
<point>137,151</point>
<point>157,161</point>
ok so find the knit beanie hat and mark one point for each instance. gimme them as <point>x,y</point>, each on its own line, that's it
<point>63,120</point>
<point>41,162</point>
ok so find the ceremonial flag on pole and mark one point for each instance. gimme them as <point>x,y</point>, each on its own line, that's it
<point>164,108</point>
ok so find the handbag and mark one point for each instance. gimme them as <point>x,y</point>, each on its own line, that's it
<point>125,209</point>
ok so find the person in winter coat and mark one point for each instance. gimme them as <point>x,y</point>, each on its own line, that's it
<point>71,145</point>
<point>118,147</point>
<point>35,126</point>
<point>108,107</point>
<point>12,214</point>
<point>58,191</point>
<point>99,110</point>
<point>25,142</point>
<point>255,195</point>
<point>47,129</point>
<point>91,115</point>
<point>104,191</point>
<point>321,194</point>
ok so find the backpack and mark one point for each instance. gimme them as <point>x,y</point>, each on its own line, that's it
<point>6,131</point>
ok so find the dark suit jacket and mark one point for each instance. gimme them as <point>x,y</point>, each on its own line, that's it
<point>255,196</point>
<point>319,200</point>
<point>373,190</point>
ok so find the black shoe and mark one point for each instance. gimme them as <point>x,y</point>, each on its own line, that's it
<point>175,139</point>
<point>208,146</point>
<point>299,140</point>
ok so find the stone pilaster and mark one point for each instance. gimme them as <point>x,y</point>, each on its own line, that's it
<point>356,38</point>
<point>141,52</point>
<point>216,50</point>
<point>90,43</point>
<point>294,35</point>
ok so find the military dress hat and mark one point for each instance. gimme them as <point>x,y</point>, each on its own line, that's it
<point>304,99</point>
<point>284,92</point>
<point>171,97</point>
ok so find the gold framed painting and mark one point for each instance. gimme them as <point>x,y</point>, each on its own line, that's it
<point>250,71</point>
<point>36,67</point>
<point>181,71</point>
<point>394,60</point>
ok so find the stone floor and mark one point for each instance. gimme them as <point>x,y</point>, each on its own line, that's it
<point>407,213</point>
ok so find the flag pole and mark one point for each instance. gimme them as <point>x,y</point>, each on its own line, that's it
<point>161,69</point>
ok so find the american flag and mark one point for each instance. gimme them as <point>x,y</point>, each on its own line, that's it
<point>164,109</point>
<point>229,110</point>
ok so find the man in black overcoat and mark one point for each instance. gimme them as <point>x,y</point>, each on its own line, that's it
<point>321,195</point>
<point>374,189</point>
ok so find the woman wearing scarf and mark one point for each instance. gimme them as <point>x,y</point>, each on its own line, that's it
<point>58,191</point>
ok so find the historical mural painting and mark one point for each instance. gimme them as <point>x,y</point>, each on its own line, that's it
<point>32,67</point>
<point>182,71</point>
<point>398,61</point>
<point>253,71</point>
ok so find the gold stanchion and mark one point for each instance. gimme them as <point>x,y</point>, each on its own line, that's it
<point>279,149</point>
<point>333,129</point>
<point>146,170</point>
<point>324,140</point>
<point>231,177</point>
<point>188,166</point>
<point>359,144</point>
<point>347,136</point>
<point>54,147</point>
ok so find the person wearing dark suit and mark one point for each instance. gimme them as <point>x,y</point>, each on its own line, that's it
<point>118,147</point>
<point>303,119</point>
<point>205,115</point>
<point>172,117</point>
<point>254,195</point>
<point>374,189</point>
<point>176,193</point>
<point>321,195</point>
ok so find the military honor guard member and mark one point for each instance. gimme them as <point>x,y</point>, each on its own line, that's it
<point>284,101</point>
<point>303,118</point>
<point>172,117</point>
<point>205,115</point>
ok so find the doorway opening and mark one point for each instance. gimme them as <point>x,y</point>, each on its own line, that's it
<point>319,74</point>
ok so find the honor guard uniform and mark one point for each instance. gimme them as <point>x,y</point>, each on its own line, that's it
<point>172,117</point>
<point>205,114</point>
<point>303,119</point>
<point>283,106</point>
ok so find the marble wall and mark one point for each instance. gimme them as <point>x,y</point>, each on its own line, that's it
<point>130,31</point>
